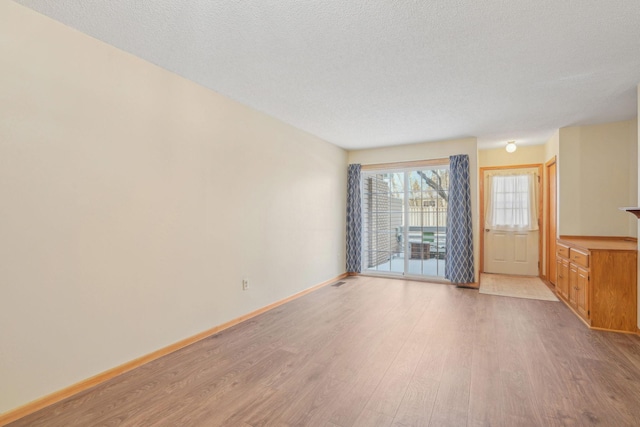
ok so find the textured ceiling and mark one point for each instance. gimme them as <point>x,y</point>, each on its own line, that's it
<point>374,73</point>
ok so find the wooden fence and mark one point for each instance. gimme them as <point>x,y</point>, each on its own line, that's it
<point>427,218</point>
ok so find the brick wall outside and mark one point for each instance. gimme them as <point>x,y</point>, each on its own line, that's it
<point>383,217</point>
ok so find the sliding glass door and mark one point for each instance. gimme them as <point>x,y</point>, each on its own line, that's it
<point>404,221</point>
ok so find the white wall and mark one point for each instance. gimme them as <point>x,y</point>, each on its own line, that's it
<point>133,204</point>
<point>598,174</point>
<point>426,151</point>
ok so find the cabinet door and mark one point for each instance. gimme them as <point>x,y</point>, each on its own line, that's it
<point>573,284</point>
<point>582,292</point>
<point>562,282</point>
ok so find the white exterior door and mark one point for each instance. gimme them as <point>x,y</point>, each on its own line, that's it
<point>511,252</point>
<point>511,234</point>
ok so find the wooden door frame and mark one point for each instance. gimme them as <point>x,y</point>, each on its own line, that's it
<point>540,199</point>
<point>549,257</point>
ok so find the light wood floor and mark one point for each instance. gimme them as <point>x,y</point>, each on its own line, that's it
<point>378,352</point>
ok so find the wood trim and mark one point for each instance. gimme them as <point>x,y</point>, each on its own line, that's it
<point>635,210</point>
<point>589,244</point>
<point>481,220</point>
<point>548,253</point>
<point>527,166</point>
<point>31,407</point>
<point>618,331</point>
<point>481,204</point>
<point>550,285</point>
<point>582,319</point>
<point>473,285</point>
<point>605,238</point>
<point>412,278</point>
<point>409,164</point>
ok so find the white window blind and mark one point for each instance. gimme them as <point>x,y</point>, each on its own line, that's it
<point>512,202</point>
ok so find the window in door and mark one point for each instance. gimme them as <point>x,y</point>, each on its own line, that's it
<point>512,202</point>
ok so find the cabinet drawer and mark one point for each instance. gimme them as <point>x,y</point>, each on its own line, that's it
<point>579,257</point>
<point>562,250</point>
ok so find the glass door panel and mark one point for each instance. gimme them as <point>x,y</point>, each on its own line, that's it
<point>404,221</point>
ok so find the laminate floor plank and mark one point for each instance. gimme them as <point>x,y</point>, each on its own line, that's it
<point>417,403</point>
<point>587,400</point>
<point>517,393</point>
<point>315,404</point>
<point>549,391</point>
<point>369,418</point>
<point>365,370</point>
<point>380,352</point>
<point>485,404</point>
<point>304,392</point>
<point>624,344</point>
<point>360,327</point>
<point>419,398</point>
<point>451,407</point>
<point>388,394</point>
<point>611,383</point>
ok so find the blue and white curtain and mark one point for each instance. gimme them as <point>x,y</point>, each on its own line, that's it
<point>354,220</point>
<point>459,258</point>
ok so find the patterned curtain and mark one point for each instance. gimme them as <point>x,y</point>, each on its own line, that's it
<point>459,258</point>
<point>354,220</point>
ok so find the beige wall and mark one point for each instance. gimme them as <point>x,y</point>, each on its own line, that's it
<point>524,155</point>
<point>431,150</point>
<point>638,194</point>
<point>598,174</point>
<point>133,204</point>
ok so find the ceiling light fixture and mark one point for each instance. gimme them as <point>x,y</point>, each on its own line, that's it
<point>511,147</point>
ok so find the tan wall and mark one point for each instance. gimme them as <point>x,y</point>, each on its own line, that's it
<point>431,150</point>
<point>133,204</point>
<point>530,154</point>
<point>598,174</point>
<point>552,146</point>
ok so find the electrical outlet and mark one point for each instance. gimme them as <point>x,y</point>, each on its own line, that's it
<point>245,284</point>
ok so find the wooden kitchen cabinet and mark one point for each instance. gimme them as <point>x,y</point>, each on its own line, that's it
<point>573,284</point>
<point>582,292</point>
<point>596,277</point>
<point>562,270</point>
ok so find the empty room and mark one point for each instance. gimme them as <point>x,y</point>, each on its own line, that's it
<point>336,214</point>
